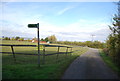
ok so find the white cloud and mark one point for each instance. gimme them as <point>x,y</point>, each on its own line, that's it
<point>77,31</point>
<point>72,32</point>
<point>64,10</point>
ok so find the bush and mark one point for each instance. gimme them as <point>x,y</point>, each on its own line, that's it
<point>106,51</point>
<point>6,38</point>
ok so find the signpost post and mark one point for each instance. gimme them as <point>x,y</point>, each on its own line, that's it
<point>36,26</point>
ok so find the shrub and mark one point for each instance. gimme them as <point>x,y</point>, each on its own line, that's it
<point>106,51</point>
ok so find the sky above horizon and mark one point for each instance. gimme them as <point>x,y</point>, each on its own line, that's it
<point>71,21</point>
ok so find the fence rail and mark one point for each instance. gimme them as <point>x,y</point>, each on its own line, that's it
<point>34,54</point>
<point>44,54</point>
<point>18,45</point>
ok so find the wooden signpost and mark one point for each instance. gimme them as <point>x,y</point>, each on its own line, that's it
<point>36,26</point>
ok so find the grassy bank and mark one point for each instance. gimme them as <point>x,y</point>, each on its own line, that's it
<point>110,63</point>
<point>26,66</point>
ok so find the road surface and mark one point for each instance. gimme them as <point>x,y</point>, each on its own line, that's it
<point>89,66</point>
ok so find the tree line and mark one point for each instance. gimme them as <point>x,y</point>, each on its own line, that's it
<point>94,44</point>
<point>113,42</point>
<point>13,38</point>
<point>51,39</point>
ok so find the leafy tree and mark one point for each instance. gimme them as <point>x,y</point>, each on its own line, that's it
<point>46,39</point>
<point>52,39</point>
<point>88,43</point>
<point>6,38</point>
<point>16,38</point>
<point>95,44</point>
<point>12,38</point>
<point>113,42</point>
<point>42,39</point>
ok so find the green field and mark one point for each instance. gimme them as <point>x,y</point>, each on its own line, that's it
<point>26,66</point>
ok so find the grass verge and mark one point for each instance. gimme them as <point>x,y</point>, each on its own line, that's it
<point>110,63</point>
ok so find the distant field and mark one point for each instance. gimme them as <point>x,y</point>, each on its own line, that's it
<point>25,66</point>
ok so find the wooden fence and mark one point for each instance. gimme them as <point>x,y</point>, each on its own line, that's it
<point>44,50</point>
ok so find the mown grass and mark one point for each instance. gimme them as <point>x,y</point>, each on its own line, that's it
<point>110,63</point>
<point>26,66</point>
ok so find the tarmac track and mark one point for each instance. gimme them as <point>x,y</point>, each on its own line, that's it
<point>89,66</point>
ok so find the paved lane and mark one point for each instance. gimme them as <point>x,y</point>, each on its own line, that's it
<point>89,66</point>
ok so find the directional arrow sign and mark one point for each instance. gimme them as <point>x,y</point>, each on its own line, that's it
<point>33,25</point>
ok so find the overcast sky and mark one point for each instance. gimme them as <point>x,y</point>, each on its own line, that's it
<point>71,21</point>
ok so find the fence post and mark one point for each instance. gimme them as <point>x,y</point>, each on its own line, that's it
<point>66,51</point>
<point>43,54</point>
<point>71,51</point>
<point>57,54</point>
<point>13,53</point>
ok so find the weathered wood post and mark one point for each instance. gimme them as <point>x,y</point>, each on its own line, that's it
<point>71,51</point>
<point>36,26</point>
<point>43,54</point>
<point>13,53</point>
<point>57,54</point>
<point>66,51</point>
